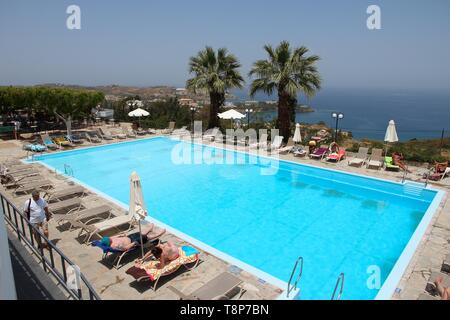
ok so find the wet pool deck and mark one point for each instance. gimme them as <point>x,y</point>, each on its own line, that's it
<point>111,283</point>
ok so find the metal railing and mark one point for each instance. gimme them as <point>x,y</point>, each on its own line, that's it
<point>294,287</point>
<point>340,281</point>
<point>53,261</point>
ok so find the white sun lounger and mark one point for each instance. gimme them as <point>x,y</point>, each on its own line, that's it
<point>360,158</point>
<point>97,229</point>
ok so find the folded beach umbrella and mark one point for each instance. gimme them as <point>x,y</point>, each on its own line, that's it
<point>297,135</point>
<point>391,133</point>
<point>137,204</point>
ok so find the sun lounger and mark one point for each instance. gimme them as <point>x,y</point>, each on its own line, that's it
<point>261,144</point>
<point>63,142</point>
<point>96,229</point>
<point>223,287</point>
<point>102,135</point>
<point>74,139</point>
<point>287,148</point>
<point>65,193</point>
<point>299,151</point>
<point>431,287</point>
<point>276,144</point>
<point>140,132</point>
<point>155,234</point>
<point>336,156</point>
<point>170,128</point>
<point>86,216</point>
<point>34,147</point>
<point>92,138</point>
<point>376,159</point>
<point>441,169</point>
<point>319,153</point>
<point>117,133</point>
<point>389,164</point>
<point>424,296</point>
<point>48,142</point>
<point>129,132</point>
<point>211,134</point>
<point>446,265</point>
<point>148,271</point>
<point>27,188</point>
<point>21,181</point>
<point>360,158</point>
<point>65,205</point>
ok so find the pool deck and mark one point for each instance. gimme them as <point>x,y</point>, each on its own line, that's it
<point>115,284</point>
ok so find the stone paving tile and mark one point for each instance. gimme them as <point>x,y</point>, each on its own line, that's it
<point>115,284</point>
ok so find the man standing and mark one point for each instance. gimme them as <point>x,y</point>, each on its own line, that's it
<point>37,213</point>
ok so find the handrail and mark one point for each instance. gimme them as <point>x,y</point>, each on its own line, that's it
<point>289,289</point>
<point>340,281</point>
<point>20,224</point>
<point>68,170</point>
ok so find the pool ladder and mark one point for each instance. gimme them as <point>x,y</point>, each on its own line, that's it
<point>340,285</point>
<point>68,170</point>
<point>290,288</point>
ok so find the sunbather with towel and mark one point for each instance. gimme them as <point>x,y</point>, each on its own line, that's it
<point>125,243</point>
<point>397,159</point>
<point>443,292</point>
<point>165,252</point>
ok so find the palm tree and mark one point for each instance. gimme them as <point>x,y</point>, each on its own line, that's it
<point>288,71</point>
<point>215,74</point>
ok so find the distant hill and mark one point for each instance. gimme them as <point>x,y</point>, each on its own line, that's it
<point>122,91</point>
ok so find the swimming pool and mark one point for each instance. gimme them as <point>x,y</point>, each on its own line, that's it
<point>336,221</point>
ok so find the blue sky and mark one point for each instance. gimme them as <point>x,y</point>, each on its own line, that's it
<point>147,43</point>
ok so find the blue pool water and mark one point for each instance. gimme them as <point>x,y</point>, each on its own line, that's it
<point>335,221</point>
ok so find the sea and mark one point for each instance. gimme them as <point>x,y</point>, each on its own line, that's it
<point>367,112</point>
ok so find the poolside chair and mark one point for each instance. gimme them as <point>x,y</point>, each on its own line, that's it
<point>223,287</point>
<point>34,147</point>
<point>92,138</point>
<point>140,132</point>
<point>12,182</point>
<point>360,158</point>
<point>288,147</point>
<point>27,188</point>
<point>431,287</point>
<point>112,133</point>
<point>211,134</point>
<point>319,153</point>
<point>74,139</point>
<point>120,254</point>
<point>440,171</point>
<point>299,151</point>
<point>446,264</point>
<point>129,132</point>
<point>389,164</point>
<point>170,128</point>
<point>48,142</point>
<point>65,205</point>
<point>104,134</point>
<point>376,159</point>
<point>261,144</point>
<point>56,196</point>
<point>336,156</point>
<point>96,229</point>
<point>85,216</point>
<point>63,142</point>
<point>424,296</point>
<point>276,144</point>
<point>149,271</point>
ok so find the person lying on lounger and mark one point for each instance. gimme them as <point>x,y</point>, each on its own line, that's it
<point>397,159</point>
<point>165,253</point>
<point>443,292</point>
<point>125,243</point>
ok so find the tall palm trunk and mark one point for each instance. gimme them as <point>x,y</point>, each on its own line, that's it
<point>217,100</point>
<point>284,117</point>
